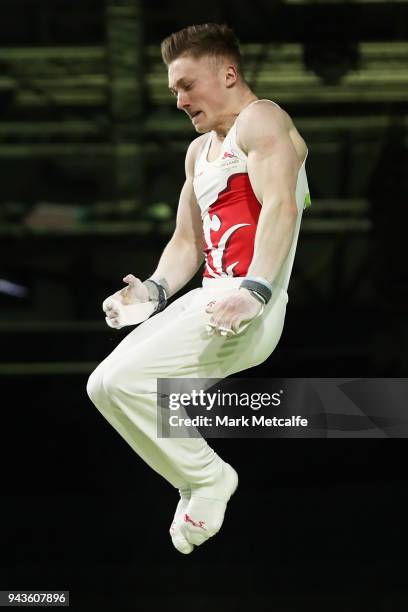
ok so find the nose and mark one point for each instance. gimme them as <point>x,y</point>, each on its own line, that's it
<point>182,100</point>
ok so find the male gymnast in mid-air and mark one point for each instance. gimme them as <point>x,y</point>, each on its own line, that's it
<point>238,216</point>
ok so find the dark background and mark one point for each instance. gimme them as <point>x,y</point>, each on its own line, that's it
<point>91,165</point>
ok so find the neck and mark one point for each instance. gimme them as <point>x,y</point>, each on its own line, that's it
<point>230,115</point>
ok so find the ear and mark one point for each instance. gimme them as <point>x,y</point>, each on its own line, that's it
<point>231,75</point>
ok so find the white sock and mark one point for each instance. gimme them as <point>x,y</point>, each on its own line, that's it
<point>205,511</point>
<point>176,535</point>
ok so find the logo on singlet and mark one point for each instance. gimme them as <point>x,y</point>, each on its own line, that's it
<point>228,159</point>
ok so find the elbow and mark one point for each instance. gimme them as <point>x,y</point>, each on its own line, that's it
<point>289,211</point>
<point>188,246</point>
<point>283,208</point>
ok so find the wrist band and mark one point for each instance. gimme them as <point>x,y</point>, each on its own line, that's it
<point>259,279</point>
<point>260,289</point>
<point>157,292</point>
<point>256,295</point>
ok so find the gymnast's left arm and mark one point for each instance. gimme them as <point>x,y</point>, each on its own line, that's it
<point>273,166</point>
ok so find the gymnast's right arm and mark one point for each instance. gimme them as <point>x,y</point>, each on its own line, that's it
<point>184,253</point>
<point>178,263</point>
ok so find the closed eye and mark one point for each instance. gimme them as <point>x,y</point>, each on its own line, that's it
<point>186,88</point>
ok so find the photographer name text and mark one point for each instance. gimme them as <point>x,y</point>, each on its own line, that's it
<point>242,421</point>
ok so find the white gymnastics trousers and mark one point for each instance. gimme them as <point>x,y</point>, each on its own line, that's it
<point>176,344</point>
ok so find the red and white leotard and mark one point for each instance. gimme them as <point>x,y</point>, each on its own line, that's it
<point>230,210</point>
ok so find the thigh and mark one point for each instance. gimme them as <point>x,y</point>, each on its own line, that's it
<point>146,331</point>
<point>185,349</point>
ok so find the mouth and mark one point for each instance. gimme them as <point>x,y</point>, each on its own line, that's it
<point>195,114</point>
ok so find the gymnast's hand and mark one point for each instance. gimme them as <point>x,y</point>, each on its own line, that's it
<point>134,293</point>
<point>230,312</point>
<point>128,306</point>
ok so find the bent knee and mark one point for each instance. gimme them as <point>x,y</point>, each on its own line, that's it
<point>114,383</point>
<point>94,386</point>
<point>120,382</point>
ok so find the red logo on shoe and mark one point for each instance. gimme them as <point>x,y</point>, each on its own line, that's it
<point>188,519</point>
<point>226,154</point>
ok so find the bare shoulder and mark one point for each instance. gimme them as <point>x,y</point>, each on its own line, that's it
<point>262,119</point>
<point>264,122</point>
<point>192,152</point>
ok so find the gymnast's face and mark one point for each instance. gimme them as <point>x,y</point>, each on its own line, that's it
<point>203,89</point>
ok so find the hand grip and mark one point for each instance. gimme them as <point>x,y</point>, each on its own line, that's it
<point>130,314</point>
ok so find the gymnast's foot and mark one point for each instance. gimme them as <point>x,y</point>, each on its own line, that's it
<point>204,513</point>
<point>177,537</point>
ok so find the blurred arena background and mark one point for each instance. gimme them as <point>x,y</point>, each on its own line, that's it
<point>91,164</point>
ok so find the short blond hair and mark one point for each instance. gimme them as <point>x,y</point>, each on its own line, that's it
<point>212,39</point>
